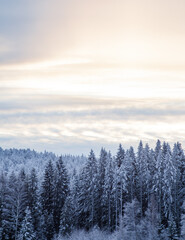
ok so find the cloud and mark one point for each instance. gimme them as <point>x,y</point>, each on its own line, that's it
<point>59,123</point>
<point>45,106</point>
<point>90,73</point>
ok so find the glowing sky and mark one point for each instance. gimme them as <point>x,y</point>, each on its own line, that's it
<point>79,74</point>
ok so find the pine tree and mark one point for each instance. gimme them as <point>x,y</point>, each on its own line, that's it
<point>131,220</point>
<point>47,200</point>
<point>101,183</point>
<point>158,185</point>
<point>48,225</point>
<point>158,149</point>
<point>47,194</point>
<point>179,189</point>
<point>182,222</point>
<point>15,205</point>
<point>61,189</point>
<point>74,193</point>
<point>107,197</point>
<point>117,194</point>
<point>169,181</point>
<point>67,217</point>
<point>3,193</point>
<point>131,174</point>
<point>120,156</point>
<point>8,212</point>
<point>88,196</point>
<point>27,230</point>
<point>141,177</point>
<point>33,198</point>
<point>147,176</point>
<point>172,228</point>
<point>150,224</point>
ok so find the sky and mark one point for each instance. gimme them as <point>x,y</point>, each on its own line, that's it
<point>78,74</point>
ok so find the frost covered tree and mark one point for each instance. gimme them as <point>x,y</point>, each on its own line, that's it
<point>119,185</point>
<point>107,197</point>
<point>179,188</point>
<point>67,220</point>
<point>27,230</point>
<point>150,223</point>
<point>61,188</point>
<point>88,196</point>
<point>131,220</point>
<point>182,222</point>
<point>141,177</point>
<point>47,192</point>
<point>3,193</point>
<point>158,185</point>
<point>131,174</point>
<point>102,162</point>
<point>131,196</point>
<point>47,200</point>
<point>117,194</point>
<point>33,198</point>
<point>120,156</point>
<point>168,188</point>
<point>15,205</point>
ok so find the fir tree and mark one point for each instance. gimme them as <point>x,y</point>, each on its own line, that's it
<point>47,194</point>
<point>150,224</point>
<point>47,200</point>
<point>141,177</point>
<point>169,182</point>
<point>33,198</point>
<point>182,222</point>
<point>107,197</point>
<point>61,188</point>
<point>27,230</point>
<point>67,217</point>
<point>131,220</point>
<point>3,194</point>
<point>88,197</point>
<point>120,156</point>
<point>101,184</point>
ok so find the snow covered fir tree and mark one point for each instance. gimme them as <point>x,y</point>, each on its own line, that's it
<point>134,195</point>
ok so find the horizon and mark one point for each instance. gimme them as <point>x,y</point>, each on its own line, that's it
<point>97,150</point>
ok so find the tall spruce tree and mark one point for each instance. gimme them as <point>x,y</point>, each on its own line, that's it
<point>108,215</point>
<point>33,198</point>
<point>61,189</point>
<point>120,156</point>
<point>141,177</point>
<point>3,194</point>
<point>47,200</point>
<point>101,184</point>
<point>168,188</point>
<point>88,197</point>
<point>27,230</point>
<point>182,222</point>
<point>179,189</point>
<point>67,220</point>
<point>131,220</point>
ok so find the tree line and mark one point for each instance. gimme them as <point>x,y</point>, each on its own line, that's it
<point>138,195</point>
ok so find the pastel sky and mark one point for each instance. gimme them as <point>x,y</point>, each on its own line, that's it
<point>81,74</point>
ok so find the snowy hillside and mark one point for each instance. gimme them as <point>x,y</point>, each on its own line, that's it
<point>128,196</point>
<point>17,159</point>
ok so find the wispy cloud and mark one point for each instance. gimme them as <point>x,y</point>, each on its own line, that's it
<point>76,120</point>
<point>76,74</point>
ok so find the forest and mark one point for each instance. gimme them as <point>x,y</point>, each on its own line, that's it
<point>138,194</point>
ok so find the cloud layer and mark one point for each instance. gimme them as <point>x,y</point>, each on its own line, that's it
<point>76,75</point>
<point>60,123</point>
